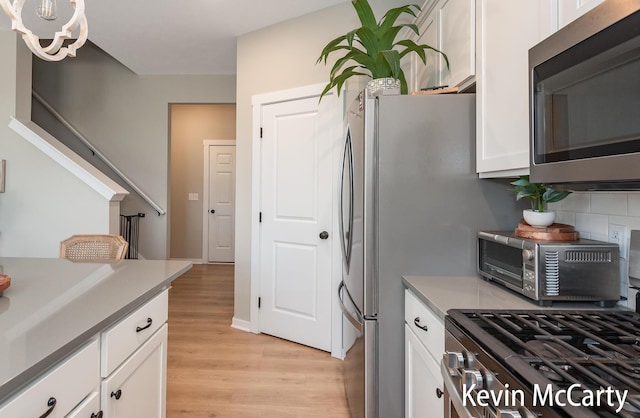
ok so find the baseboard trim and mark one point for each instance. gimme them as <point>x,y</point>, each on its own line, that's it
<point>241,324</point>
<point>193,260</point>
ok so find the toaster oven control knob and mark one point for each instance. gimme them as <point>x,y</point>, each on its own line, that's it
<point>473,378</point>
<point>454,359</point>
<point>528,255</point>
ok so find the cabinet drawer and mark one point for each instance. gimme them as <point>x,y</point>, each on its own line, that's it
<point>89,408</point>
<point>123,338</point>
<point>138,387</point>
<point>66,385</point>
<point>417,315</point>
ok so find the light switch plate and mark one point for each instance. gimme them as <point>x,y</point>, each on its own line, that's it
<point>193,196</point>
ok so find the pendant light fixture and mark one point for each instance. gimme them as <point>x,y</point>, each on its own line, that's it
<point>47,9</point>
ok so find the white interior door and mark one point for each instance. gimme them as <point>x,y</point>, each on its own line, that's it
<point>296,208</point>
<point>221,209</point>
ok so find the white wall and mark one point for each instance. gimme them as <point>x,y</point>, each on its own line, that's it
<point>126,116</point>
<point>43,203</point>
<point>276,58</point>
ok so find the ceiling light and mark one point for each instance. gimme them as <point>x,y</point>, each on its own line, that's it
<point>55,51</point>
<point>47,9</point>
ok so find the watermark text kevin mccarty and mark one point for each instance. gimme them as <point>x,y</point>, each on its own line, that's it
<point>548,395</point>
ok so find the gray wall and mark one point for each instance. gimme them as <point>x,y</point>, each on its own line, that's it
<point>190,126</point>
<point>43,203</point>
<point>126,116</point>
<point>279,57</point>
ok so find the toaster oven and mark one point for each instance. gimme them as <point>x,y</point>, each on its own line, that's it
<point>551,271</point>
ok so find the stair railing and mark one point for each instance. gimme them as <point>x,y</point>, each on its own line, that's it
<point>97,153</point>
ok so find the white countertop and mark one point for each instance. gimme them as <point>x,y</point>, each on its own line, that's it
<point>54,306</point>
<point>441,293</point>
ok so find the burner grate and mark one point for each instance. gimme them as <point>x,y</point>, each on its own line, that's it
<point>594,349</point>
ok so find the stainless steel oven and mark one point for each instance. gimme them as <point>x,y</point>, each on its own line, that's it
<point>585,101</point>
<point>541,363</point>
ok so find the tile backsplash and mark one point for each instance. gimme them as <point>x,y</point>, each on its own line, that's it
<point>592,213</point>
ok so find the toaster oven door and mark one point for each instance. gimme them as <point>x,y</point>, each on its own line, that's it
<point>501,262</point>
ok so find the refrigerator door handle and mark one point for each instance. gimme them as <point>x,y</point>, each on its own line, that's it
<point>346,236</point>
<point>358,322</point>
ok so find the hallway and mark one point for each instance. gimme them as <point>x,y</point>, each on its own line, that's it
<point>217,371</point>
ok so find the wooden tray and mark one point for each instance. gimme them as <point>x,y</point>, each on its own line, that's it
<point>5,282</point>
<point>444,90</point>
<point>554,232</point>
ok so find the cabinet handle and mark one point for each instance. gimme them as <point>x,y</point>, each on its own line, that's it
<point>98,415</point>
<point>416,322</point>
<point>51,403</point>
<point>117,394</point>
<point>439,393</point>
<point>149,322</point>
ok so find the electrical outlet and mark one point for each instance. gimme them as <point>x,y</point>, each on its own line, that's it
<point>618,234</point>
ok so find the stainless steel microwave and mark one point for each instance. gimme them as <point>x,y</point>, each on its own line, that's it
<point>551,271</point>
<point>584,88</point>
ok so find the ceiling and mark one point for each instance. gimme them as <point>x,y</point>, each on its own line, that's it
<point>173,37</point>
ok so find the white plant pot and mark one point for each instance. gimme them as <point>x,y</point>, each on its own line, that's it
<point>383,86</point>
<point>539,219</point>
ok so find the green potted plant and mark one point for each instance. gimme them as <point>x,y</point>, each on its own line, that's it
<point>372,50</point>
<point>539,194</point>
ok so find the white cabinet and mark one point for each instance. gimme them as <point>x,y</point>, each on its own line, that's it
<point>130,356</point>
<point>134,363</point>
<point>123,338</point>
<point>423,382</point>
<point>424,347</point>
<point>138,387</point>
<point>505,30</point>
<point>570,10</point>
<point>89,408</point>
<point>447,25</point>
<point>457,39</point>
<point>61,389</point>
<point>426,75</point>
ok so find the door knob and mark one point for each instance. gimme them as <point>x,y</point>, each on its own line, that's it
<point>324,235</point>
<point>212,211</point>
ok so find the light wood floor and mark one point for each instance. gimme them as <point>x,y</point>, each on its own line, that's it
<point>217,371</point>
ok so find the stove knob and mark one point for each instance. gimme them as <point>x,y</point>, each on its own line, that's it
<point>473,378</point>
<point>454,359</point>
<point>508,413</point>
<point>521,412</point>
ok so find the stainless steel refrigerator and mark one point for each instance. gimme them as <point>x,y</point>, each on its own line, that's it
<point>411,203</point>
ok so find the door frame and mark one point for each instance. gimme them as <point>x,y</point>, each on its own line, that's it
<point>207,143</point>
<point>337,108</point>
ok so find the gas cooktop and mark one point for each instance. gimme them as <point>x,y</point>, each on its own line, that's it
<point>591,357</point>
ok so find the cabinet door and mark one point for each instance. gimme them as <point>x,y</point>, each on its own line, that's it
<point>570,10</point>
<point>423,383</point>
<point>427,75</point>
<point>457,39</point>
<point>138,387</point>
<point>505,32</point>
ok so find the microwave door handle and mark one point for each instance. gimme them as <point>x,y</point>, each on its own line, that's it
<point>358,323</point>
